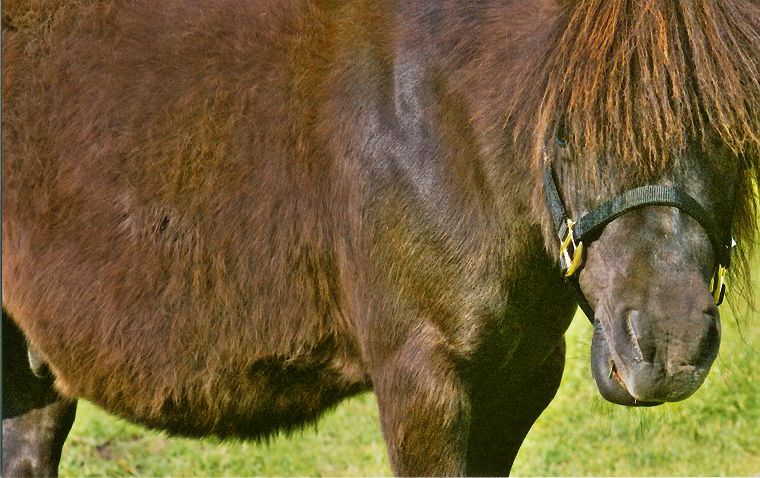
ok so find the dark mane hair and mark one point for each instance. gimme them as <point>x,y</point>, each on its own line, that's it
<point>642,79</point>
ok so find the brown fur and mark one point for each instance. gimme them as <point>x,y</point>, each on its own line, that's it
<point>179,196</point>
<point>223,216</point>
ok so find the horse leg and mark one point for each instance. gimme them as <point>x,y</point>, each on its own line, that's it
<point>36,420</point>
<point>504,407</point>
<point>424,411</point>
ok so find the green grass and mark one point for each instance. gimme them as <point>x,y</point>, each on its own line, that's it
<point>715,432</point>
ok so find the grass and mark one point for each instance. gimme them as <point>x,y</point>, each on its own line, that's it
<point>715,432</point>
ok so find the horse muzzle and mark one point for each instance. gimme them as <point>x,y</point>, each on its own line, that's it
<point>641,361</point>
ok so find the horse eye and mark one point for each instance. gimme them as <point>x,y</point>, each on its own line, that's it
<point>561,142</point>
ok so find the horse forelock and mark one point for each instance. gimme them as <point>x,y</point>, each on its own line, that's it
<point>640,80</point>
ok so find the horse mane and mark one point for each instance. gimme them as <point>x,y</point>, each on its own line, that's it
<point>639,80</point>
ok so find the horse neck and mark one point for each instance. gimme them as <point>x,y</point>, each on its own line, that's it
<point>479,55</point>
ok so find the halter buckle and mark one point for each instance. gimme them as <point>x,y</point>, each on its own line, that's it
<point>719,284</point>
<point>570,252</point>
<point>719,279</point>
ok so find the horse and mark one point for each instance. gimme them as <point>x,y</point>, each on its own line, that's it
<point>222,217</point>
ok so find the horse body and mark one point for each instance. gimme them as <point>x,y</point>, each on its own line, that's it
<point>223,217</point>
<point>219,268</point>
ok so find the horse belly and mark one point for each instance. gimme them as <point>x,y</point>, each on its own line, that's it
<point>275,395</point>
<point>214,357</point>
<point>232,394</point>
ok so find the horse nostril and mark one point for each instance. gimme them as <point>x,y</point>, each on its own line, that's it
<point>710,340</point>
<point>636,330</point>
<point>711,313</point>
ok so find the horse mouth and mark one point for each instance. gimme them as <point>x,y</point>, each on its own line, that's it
<point>607,375</point>
<point>616,375</point>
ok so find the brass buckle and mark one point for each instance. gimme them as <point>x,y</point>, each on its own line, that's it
<point>719,284</point>
<point>570,264</point>
<point>719,279</point>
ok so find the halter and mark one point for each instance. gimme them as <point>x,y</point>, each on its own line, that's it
<point>574,235</point>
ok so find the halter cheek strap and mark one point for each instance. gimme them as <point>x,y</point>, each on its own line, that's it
<point>574,234</point>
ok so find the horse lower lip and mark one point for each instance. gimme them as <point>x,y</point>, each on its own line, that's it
<point>615,373</point>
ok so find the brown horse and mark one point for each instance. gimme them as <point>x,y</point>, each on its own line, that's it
<point>224,216</point>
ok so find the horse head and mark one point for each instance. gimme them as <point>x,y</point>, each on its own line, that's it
<point>648,264</point>
<point>648,168</point>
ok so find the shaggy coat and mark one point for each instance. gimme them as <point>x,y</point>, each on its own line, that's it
<point>224,216</point>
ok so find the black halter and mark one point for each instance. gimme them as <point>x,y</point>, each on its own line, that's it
<point>573,235</point>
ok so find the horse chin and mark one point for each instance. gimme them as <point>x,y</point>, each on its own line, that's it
<point>607,377</point>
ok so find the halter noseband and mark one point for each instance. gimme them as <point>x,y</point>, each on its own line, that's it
<point>574,234</point>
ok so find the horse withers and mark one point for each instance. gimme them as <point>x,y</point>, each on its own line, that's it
<point>224,217</point>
